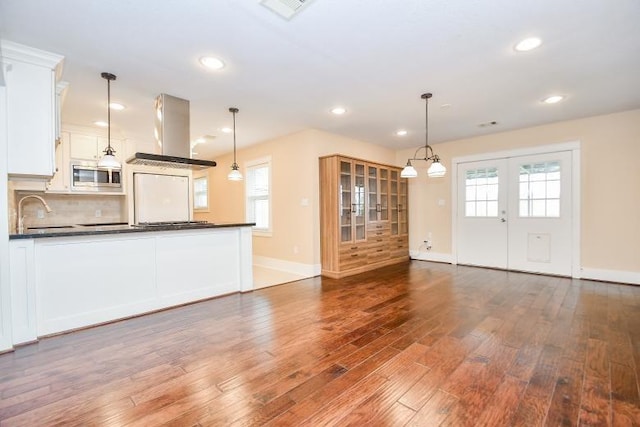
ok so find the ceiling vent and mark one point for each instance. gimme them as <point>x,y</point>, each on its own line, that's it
<point>285,8</point>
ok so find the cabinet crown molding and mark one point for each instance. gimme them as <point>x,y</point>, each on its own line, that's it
<point>19,52</point>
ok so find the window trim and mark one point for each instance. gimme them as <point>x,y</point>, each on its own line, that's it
<point>204,208</point>
<point>263,232</point>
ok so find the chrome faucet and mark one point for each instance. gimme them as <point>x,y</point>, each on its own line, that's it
<point>21,217</point>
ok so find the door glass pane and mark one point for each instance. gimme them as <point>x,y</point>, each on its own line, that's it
<point>481,208</point>
<point>553,189</point>
<point>540,190</point>
<point>481,192</point>
<point>553,208</point>
<point>538,208</point>
<point>537,190</point>
<point>470,209</point>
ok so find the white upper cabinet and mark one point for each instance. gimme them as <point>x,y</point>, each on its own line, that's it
<point>91,147</point>
<point>31,102</point>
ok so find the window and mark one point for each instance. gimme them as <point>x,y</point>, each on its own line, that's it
<point>258,193</point>
<point>201,193</point>
<point>540,190</point>
<point>481,199</point>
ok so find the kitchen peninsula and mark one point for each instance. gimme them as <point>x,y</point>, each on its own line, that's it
<point>69,278</point>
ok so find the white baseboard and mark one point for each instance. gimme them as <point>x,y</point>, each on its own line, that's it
<point>306,270</point>
<point>618,276</point>
<point>431,256</point>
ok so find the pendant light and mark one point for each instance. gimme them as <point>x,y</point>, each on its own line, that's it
<point>437,169</point>
<point>109,160</point>
<point>235,174</point>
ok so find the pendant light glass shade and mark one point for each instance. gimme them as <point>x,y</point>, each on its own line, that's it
<point>235,174</point>
<point>109,160</point>
<point>409,171</point>
<point>437,169</point>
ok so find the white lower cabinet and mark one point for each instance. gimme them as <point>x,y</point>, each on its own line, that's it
<point>23,291</point>
<point>64,283</point>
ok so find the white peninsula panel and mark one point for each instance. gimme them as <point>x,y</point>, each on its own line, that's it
<point>213,268</point>
<point>69,282</point>
<point>86,281</point>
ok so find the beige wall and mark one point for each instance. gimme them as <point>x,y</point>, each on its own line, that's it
<point>294,160</point>
<point>610,205</point>
<point>610,180</point>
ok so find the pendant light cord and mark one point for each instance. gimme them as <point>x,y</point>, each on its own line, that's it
<point>234,110</point>
<point>427,147</point>
<point>234,136</point>
<point>108,77</point>
<point>108,114</point>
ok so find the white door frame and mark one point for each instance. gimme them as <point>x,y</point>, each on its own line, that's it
<point>573,146</point>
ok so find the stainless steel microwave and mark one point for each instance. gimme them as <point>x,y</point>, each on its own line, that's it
<point>87,176</point>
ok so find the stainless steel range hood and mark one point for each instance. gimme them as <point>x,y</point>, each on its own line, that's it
<point>172,134</point>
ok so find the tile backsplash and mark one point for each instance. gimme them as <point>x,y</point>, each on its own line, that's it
<point>67,209</point>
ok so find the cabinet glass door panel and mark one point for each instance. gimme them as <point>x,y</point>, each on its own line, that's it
<point>358,210</point>
<point>345,202</point>
<point>403,199</point>
<point>373,193</point>
<point>384,195</point>
<point>393,203</point>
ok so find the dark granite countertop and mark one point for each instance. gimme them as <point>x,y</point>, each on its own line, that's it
<point>96,230</point>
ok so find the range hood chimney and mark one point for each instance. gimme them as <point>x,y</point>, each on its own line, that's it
<point>172,134</point>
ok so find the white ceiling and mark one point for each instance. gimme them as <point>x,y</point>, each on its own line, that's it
<point>375,57</point>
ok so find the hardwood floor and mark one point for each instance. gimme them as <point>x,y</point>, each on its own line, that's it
<point>417,344</point>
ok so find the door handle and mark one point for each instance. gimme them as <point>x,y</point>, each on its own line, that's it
<point>503,220</point>
<point>353,208</point>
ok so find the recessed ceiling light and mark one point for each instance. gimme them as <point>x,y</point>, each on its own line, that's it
<point>116,106</point>
<point>401,132</point>
<point>338,111</point>
<point>553,99</point>
<point>528,44</point>
<point>212,63</point>
<point>226,130</point>
<point>101,124</point>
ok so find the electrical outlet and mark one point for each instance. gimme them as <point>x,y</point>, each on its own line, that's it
<point>40,214</point>
<point>427,244</point>
<point>295,249</point>
<point>98,213</point>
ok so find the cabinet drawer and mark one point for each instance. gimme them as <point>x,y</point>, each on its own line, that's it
<point>399,246</point>
<point>399,241</point>
<point>378,233</point>
<point>350,260</point>
<point>378,254</point>
<point>346,250</point>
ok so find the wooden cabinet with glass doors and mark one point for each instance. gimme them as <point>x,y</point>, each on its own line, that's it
<point>363,220</point>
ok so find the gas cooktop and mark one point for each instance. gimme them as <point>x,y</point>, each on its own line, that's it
<point>170,223</point>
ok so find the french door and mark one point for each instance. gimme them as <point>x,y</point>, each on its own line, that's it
<point>516,213</point>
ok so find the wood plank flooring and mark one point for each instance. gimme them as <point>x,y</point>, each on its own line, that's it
<point>417,344</point>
